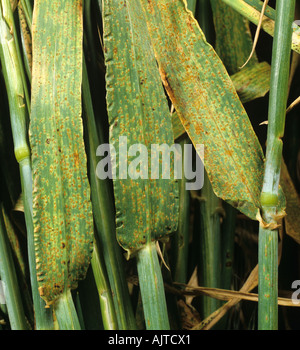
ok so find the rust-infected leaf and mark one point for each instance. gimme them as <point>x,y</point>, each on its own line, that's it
<point>62,214</point>
<point>207,104</point>
<point>138,111</point>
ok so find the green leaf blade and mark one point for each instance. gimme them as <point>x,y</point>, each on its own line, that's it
<point>138,111</point>
<point>62,213</point>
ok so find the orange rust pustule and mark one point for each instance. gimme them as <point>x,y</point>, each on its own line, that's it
<point>151,7</point>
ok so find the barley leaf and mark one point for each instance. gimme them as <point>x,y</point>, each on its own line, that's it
<point>207,104</point>
<point>146,208</point>
<point>62,213</point>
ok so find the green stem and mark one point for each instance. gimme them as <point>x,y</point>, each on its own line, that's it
<point>79,311</point>
<point>108,312</point>
<point>152,289</point>
<point>20,263</point>
<point>66,313</point>
<point>268,235</point>
<point>9,277</point>
<point>21,70</point>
